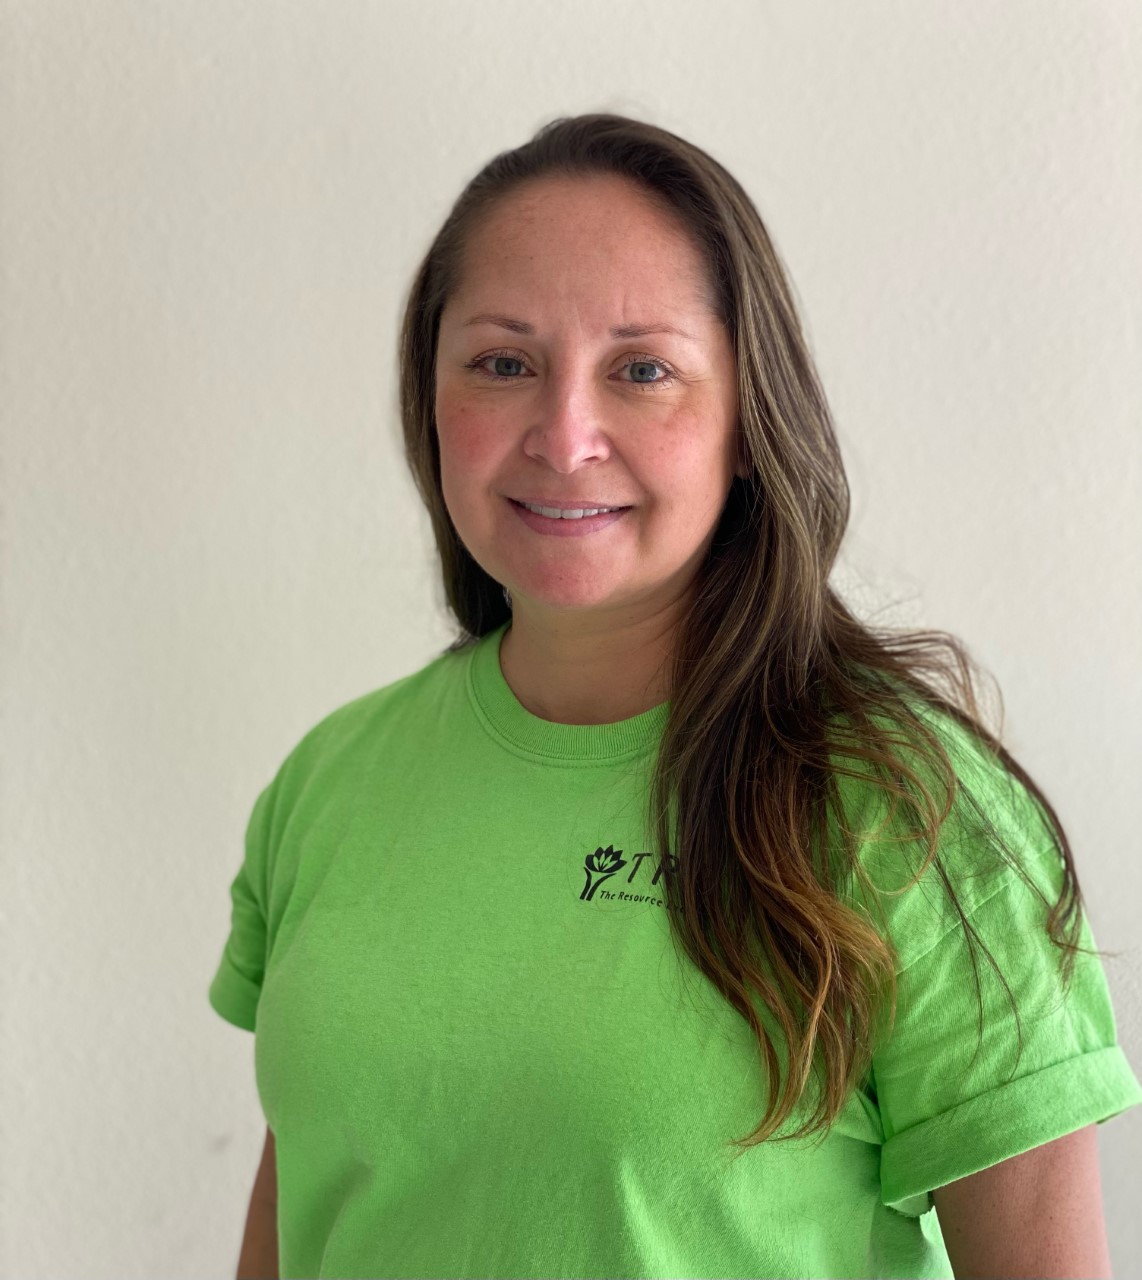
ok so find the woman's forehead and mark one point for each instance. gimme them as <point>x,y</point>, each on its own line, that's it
<point>583,214</point>
<point>602,289</point>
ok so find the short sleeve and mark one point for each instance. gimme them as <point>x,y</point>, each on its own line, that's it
<point>237,982</point>
<point>955,1098</point>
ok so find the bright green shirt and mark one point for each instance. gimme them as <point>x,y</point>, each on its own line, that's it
<point>481,1055</point>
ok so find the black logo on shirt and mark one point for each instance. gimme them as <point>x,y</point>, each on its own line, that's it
<point>604,863</point>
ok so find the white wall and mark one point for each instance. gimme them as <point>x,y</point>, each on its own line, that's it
<point>209,214</point>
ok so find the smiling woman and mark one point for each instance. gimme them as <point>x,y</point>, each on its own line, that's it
<point>575,419</point>
<point>638,933</point>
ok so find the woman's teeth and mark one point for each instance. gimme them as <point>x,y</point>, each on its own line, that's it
<point>554,513</point>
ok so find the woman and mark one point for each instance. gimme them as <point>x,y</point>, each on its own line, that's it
<point>637,934</point>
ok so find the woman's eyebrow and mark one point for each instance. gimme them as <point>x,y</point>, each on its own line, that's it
<point>617,331</point>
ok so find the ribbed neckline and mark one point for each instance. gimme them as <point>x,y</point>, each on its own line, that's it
<point>506,718</point>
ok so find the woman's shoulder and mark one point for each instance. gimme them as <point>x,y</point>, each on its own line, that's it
<point>986,824</point>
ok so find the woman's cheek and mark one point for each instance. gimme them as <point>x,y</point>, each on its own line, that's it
<point>468,430</point>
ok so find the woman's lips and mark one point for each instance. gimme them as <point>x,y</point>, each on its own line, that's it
<point>564,528</point>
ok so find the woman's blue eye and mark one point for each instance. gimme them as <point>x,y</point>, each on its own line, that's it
<point>636,363</point>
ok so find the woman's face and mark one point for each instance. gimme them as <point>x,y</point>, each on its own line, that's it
<point>578,416</point>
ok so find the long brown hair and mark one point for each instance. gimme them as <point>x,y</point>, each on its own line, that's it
<point>774,682</point>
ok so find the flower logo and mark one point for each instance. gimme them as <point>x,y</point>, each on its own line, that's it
<point>600,866</point>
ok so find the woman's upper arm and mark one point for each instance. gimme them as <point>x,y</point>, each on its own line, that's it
<point>1038,1214</point>
<point>266,1182</point>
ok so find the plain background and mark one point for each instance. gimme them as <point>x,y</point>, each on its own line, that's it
<point>210,214</point>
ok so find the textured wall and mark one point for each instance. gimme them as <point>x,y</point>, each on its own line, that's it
<point>209,214</point>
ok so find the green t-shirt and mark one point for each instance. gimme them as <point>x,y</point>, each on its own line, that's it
<point>480,1054</point>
